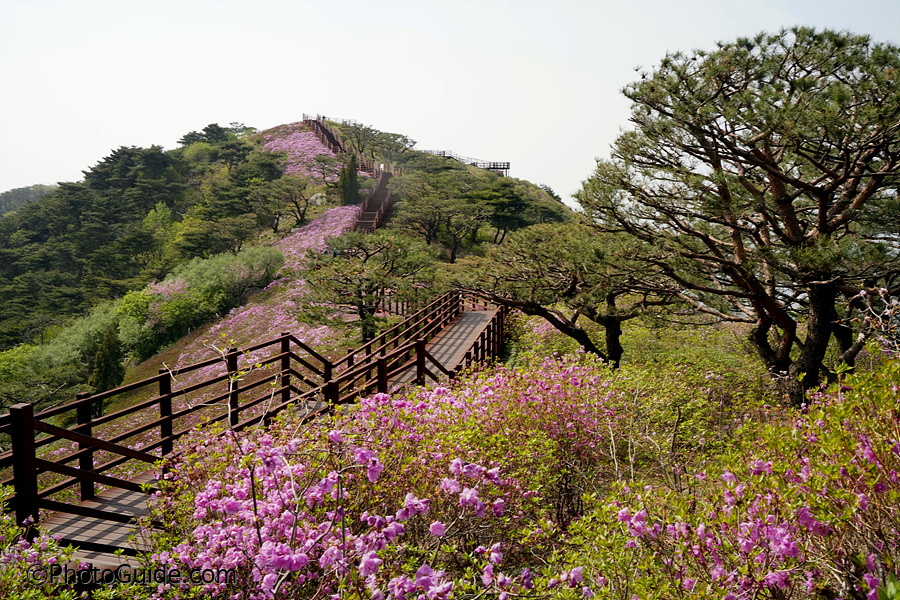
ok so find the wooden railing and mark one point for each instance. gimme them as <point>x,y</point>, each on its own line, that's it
<point>301,373</point>
<point>371,366</point>
<point>500,167</point>
<point>384,206</point>
<point>487,346</point>
<point>239,394</point>
<point>329,136</point>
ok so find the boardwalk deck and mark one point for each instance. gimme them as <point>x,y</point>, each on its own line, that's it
<point>449,348</point>
<point>90,530</point>
<point>450,345</point>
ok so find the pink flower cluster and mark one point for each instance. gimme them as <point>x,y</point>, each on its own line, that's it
<point>162,292</point>
<point>302,147</point>
<point>791,516</point>
<point>282,521</point>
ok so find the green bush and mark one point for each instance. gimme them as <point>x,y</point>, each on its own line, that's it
<point>808,507</point>
<point>191,295</point>
<point>46,375</point>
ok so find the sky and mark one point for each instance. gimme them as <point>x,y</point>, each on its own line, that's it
<point>536,83</point>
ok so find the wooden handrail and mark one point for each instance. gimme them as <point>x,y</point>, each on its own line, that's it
<point>366,369</point>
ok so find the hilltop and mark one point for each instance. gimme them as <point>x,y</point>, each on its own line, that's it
<point>154,244</point>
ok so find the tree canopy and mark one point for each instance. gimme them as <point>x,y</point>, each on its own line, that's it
<point>375,144</point>
<point>359,271</point>
<point>566,273</point>
<point>762,177</point>
<point>450,203</point>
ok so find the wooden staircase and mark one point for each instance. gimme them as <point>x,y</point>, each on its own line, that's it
<point>375,207</point>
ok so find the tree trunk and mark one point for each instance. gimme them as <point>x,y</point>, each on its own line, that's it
<point>803,373</point>
<point>367,322</point>
<point>613,328</point>
<point>843,333</point>
<point>563,326</point>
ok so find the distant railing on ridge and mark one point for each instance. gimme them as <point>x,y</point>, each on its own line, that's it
<point>320,126</point>
<point>500,167</point>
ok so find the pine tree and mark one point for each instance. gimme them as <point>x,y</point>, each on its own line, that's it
<point>108,371</point>
<point>761,179</point>
<point>348,185</point>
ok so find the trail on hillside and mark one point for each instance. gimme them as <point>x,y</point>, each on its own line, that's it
<point>264,319</point>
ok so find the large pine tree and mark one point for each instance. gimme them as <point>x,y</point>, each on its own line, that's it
<point>761,180</point>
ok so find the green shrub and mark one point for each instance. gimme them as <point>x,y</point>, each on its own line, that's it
<point>809,507</point>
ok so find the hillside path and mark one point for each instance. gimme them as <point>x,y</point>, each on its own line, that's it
<point>449,347</point>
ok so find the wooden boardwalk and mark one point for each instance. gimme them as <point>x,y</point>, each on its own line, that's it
<point>450,345</point>
<point>100,531</point>
<point>449,348</point>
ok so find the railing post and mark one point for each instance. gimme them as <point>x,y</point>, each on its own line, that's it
<point>328,370</point>
<point>499,329</point>
<point>24,469</point>
<point>165,411</point>
<point>285,367</point>
<point>382,376</point>
<point>332,391</point>
<point>86,460</point>
<point>231,359</point>
<point>420,361</point>
<point>495,336</point>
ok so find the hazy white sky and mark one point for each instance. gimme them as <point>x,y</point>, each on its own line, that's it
<point>536,83</point>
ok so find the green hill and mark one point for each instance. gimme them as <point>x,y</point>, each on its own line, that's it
<point>154,243</point>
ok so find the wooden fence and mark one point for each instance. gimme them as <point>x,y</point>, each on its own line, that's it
<point>298,374</point>
<point>331,138</point>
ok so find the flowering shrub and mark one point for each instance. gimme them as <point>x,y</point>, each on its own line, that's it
<point>193,293</point>
<point>24,564</point>
<point>810,508</point>
<point>288,517</point>
<point>439,492</point>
